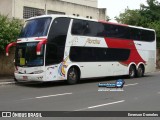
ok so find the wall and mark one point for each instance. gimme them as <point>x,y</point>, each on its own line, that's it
<point>7,64</point>
<point>58,5</point>
<point>6,7</point>
<point>91,3</point>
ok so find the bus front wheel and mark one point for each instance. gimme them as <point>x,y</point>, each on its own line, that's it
<point>72,76</point>
<point>16,81</point>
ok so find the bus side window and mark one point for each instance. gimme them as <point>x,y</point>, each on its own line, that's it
<point>136,34</point>
<point>148,36</point>
<point>56,40</point>
<point>77,27</point>
<point>87,28</point>
<point>58,31</point>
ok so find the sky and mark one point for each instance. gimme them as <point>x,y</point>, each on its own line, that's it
<point>115,7</point>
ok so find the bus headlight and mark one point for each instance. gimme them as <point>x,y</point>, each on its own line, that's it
<point>38,72</point>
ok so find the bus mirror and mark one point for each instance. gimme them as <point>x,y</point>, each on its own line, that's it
<point>8,47</point>
<point>39,45</point>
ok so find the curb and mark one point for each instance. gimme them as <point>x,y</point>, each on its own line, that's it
<point>6,83</point>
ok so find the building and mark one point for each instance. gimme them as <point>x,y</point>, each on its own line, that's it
<point>91,3</point>
<point>24,9</point>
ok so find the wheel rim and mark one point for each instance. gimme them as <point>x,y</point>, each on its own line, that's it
<point>72,74</point>
<point>140,71</point>
<point>131,72</point>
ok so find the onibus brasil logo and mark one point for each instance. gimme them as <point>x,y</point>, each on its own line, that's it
<point>117,86</point>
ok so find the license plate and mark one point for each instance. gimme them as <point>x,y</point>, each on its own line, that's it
<point>25,78</point>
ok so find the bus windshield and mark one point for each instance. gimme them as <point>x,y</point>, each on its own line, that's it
<point>26,55</point>
<point>35,28</point>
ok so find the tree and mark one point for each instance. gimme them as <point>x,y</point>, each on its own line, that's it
<point>129,17</point>
<point>147,16</point>
<point>9,31</point>
<point>108,18</point>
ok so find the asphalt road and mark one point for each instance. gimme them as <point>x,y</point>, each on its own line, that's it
<point>140,94</point>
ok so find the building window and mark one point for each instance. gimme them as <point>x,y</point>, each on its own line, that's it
<point>55,12</point>
<point>31,12</point>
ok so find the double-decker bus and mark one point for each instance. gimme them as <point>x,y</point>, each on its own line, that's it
<point>61,47</point>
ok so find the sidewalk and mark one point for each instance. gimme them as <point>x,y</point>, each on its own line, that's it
<point>5,80</point>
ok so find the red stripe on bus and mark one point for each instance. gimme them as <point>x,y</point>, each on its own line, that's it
<point>126,44</point>
<point>112,23</point>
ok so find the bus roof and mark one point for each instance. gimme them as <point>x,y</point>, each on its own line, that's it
<point>57,15</point>
<point>82,18</point>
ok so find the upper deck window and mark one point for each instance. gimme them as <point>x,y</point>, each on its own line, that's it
<point>35,28</point>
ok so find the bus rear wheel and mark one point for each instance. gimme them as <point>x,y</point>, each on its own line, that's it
<point>72,76</point>
<point>132,71</point>
<point>140,71</point>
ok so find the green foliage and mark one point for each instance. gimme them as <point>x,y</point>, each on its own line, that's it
<point>9,31</point>
<point>156,25</point>
<point>108,18</point>
<point>147,16</point>
<point>129,17</point>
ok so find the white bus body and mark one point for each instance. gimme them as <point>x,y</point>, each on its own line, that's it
<point>60,47</point>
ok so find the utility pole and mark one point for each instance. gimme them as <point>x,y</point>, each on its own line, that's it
<point>45,7</point>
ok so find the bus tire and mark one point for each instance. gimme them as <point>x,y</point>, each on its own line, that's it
<point>16,81</point>
<point>140,71</point>
<point>132,71</point>
<point>72,76</point>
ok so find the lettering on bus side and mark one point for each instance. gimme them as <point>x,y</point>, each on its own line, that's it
<point>90,41</point>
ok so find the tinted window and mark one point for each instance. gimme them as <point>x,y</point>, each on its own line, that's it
<point>111,54</point>
<point>54,54</point>
<point>92,54</point>
<point>135,34</point>
<point>58,31</point>
<point>82,54</point>
<point>35,28</point>
<point>117,31</point>
<point>96,29</point>
<point>26,55</point>
<point>56,40</point>
<point>142,35</point>
<point>87,28</point>
<point>147,35</point>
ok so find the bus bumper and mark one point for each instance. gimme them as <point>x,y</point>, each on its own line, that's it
<point>29,77</point>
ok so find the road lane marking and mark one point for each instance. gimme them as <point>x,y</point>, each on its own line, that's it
<point>53,95</point>
<point>47,96</point>
<point>6,83</point>
<point>105,104</point>
<point>101,105</point>
<point>131,84</point>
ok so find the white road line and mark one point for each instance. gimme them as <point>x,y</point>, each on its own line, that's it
<point>6,83</point>
<point>131,84</point>
<point>26,99</point>
<point>47,96</point>
<point>106,104</point>
<point>53,95</point>
<point>100,105</point>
